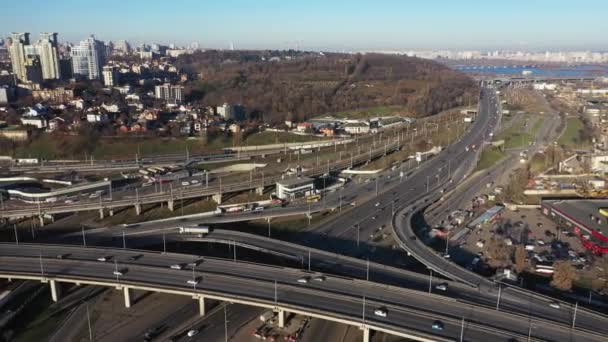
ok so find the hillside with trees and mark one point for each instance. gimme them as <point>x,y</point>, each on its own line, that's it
<point>301,85</point>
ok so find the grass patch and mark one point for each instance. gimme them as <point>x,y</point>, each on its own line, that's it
<point>538,163</point>
<point>518,135</point>
<point>267,138</point>
<point>368,112</point>
<point>571,137</point>
<point>489,157</point>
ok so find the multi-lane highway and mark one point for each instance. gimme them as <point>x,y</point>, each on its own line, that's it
<point>409,313</point>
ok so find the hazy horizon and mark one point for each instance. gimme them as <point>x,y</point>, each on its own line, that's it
<point>533,25</point>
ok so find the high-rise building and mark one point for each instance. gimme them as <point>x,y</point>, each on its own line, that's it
<point>169,93</point>
<point>109,48</point>
<point>88,57</point>
<point>123,46</point>
<point>110,76</point>
<point>33,69</point>
<point>17,52</point>
<point>49,56</point>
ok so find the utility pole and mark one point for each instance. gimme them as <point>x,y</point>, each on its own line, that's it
<point>367,270</point>
<point>124,241</point>
<point>225,323</point>
<point>89,323</point>
<point>16,235</point>
<point>462,330</point>
<point>41,266</point>
<point>376,186</point>
<point>574,316</point>
<point>498,299</point>
<point>84,240</point>
<point>430,279</point>
<point>164,244</point>
<point>309,260</point>
<point>363,312</point>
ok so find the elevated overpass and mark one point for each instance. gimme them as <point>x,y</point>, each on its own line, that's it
<point>349,301</point>
<point>216,191</point>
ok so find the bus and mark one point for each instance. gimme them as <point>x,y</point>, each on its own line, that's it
<point>313,198</point>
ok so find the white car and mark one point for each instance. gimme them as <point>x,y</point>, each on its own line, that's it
<point>185,183</point>
<point>555,305</point>
<point>118,273</point>
<point>102,259</point>
<point>442,287</point>
<point>377,204</point>
<point>192,282</point>
<point>320,279</point>
<point>381,312</point>
<point>192,332</point>
<point>303,280</point>
<point>177,266</point>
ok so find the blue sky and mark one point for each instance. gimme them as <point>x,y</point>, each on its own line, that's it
<point>317,24</point>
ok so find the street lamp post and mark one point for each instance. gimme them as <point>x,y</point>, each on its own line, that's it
<point>16,235</point>
<point>498,299</point>
<point>574,316</point>
<point>225,324</point>
<point>41,266</point>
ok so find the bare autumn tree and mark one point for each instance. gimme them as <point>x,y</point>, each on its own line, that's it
<point>499,254</point>
<point>520,259</point>
<point>514,191</point>
<point>563,275</point>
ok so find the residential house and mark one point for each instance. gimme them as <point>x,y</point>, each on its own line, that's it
<point>304,126</point>
<point>36,121</point>
<point>327,131</point>
<point>55,124</point>
<point>357,128</point>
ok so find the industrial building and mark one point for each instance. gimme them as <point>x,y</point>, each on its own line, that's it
<point>586,218</point>
<point>295,188</point>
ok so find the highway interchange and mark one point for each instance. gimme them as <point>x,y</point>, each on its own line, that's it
<point>402,198</point>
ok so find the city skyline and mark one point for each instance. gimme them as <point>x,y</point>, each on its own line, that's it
<point>314,25</point>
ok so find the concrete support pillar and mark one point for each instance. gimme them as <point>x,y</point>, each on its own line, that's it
<point>259,190</point>
<point>111,212</point>
<point>54,290</point>
<point>281,314</point>
<point>101,214</point>
<point>41,218</point>
<point>138,209</point>
<point>217,198</point>
<point>127,293</point>
<point>201,305</point>
<point>366,334</point>
<point>52,218</point>
<point>170,204</point>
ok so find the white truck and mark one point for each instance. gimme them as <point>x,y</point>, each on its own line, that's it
<point>194,230</point>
